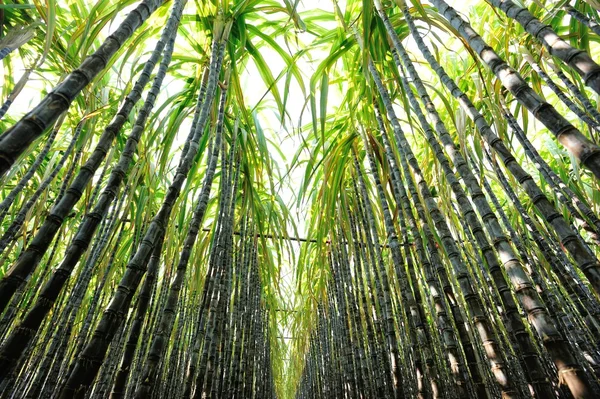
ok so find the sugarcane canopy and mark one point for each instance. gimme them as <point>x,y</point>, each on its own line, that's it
<point>281,199</point>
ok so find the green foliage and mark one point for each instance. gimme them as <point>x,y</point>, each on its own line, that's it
<point>295,75</point>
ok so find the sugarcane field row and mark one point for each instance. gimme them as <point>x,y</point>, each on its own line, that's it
<point>309,199</point>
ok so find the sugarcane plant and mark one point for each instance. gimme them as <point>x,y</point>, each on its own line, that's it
<point>278,199</point>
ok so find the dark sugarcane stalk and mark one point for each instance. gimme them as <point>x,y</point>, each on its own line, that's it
<point>251,287</point>
<point>29,355</point>
<point>425,338</point>
<point>514,237</point>
<point>474,307</point>
<point>371,283</point>
<point>556,259</point>
<point>592,25</point>
<point>252,355</point>
<point>257,391</point>
<point>583,149</point>
<point>188,337</point>
<point>87,365</point>
<point>233,345</point>
<point>566,309</point>
<point>366,363</point>
<point>568,268</point>
<point>364,332</point>
<point>168,313</point>
<point>16,139</point>
<point>569,198</point>
<point>131,345</point>
<point>338,308</point>
<point>313,366</point>
<point>337,297</point>
<point>171,367</point>
<point>108,369</point>
<point>63,207</point>
<point>339,345</point>
<point>10,313</point>
<point>91,312</point>
<point>577,59</point>
<point>318,361</point>
<point>249,364</point>
<point>265,337</point>
<point>586,306</point>
<point>226,310</point>
<point>557,347</point>
<point>77,293</point>
<point>328,353</point>
<point>593,124</point>
<point>40,279</point>
<point>443,297</point>
<point>322,381</point>
<point>196,346</point>
<point>376,385</point>
<point>587,263</point>
<point>173,363</point>
<point>240,311</point>
<point>200,329</point>
<point>217,261</point>
<point>224,355</point>
<point>165,367</point>
<point>157,301</point>
<point>478,268</point>
<point>79,287</point>
<point>18,341</point>
<point>229,326</point>
<point>164,290</point>
<point>269,381</point>
<point>71,351</point>
<point>31,170</point>
<point>224,247</point>
<point>382,288</point>
<point>504,315</point>
<point>373,309</point>
<point>355,325</point>
<point>214,303</point>
<point>440,305</point>
<point>540,283</point>
<point>10,234</point>
<point>57,352</point>
<point>407,298</point>
<point>581,96</point>
<point>548,254</point>
<point>339,348</point>
<point>67,321</point>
